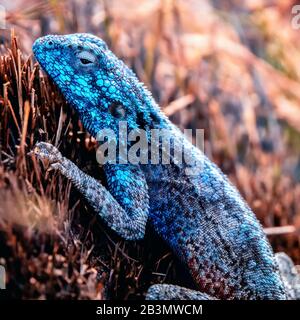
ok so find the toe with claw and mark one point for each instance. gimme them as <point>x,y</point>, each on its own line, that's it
<point>46,152</point>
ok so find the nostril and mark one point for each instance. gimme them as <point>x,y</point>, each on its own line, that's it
<point>49,44</point>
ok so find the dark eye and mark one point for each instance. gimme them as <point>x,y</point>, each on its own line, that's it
<point>86,57</point>
<point>117,110</point>
<point>85,61</point>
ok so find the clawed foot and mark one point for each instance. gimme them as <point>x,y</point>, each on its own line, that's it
<point>47,153</point>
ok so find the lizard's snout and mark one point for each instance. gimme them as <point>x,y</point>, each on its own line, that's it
<point>46,42</point>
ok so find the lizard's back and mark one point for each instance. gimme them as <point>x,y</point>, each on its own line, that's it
<point>214,232</point>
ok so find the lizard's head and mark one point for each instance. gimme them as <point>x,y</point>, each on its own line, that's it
<point>94,81</point>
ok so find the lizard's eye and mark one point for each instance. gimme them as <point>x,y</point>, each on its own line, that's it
<point>117,110</point>
<point>86,58</point>
<point>85,61</point>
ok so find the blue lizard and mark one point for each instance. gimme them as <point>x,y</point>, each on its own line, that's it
<point>202,217</point>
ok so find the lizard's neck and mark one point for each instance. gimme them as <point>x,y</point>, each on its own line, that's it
<point>149,114</point>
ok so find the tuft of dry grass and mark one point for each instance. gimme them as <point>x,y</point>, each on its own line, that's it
<point>25,209</point>
<point>43,260</point>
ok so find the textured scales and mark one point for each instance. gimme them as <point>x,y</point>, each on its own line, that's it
<point>203,217</point>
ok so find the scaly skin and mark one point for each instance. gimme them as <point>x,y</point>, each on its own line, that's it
<point>202,217</point>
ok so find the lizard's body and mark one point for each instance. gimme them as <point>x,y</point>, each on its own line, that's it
<point>202,217</point>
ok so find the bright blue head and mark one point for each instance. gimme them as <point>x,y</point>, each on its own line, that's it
<point>94,81</point>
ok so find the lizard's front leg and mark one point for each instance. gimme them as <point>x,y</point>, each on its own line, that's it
<point>124,209</point>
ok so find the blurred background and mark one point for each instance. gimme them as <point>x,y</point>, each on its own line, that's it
<point>228,67</point>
